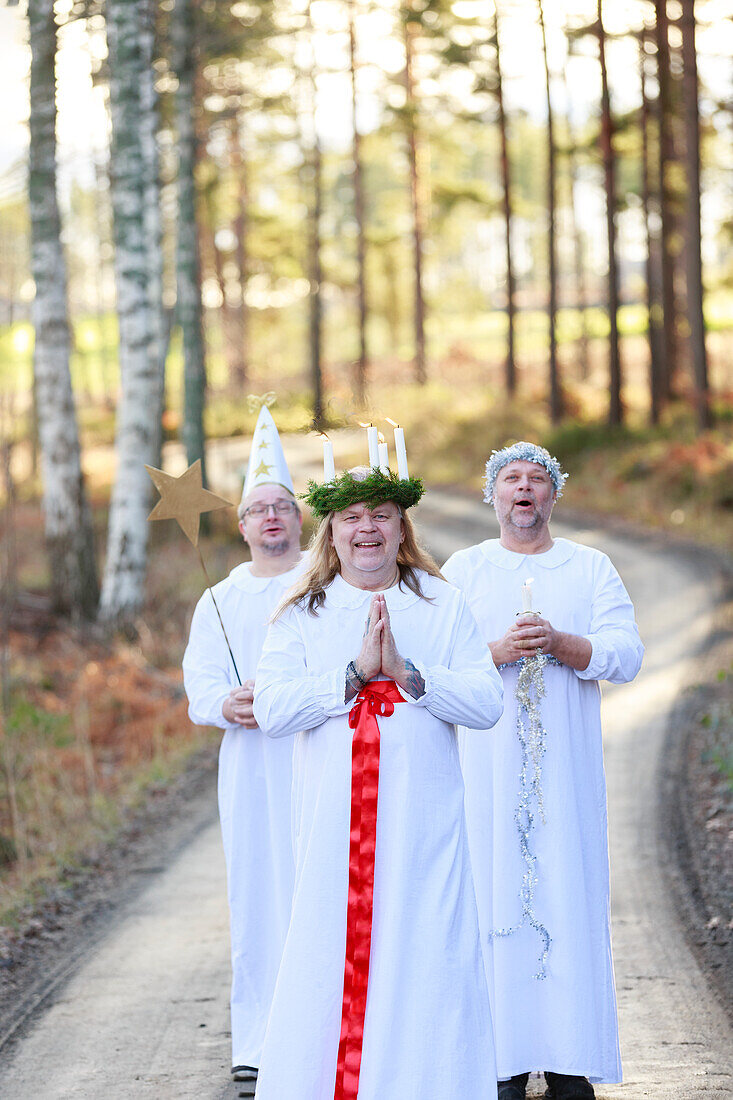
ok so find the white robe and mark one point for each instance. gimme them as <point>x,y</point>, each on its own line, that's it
<point>427,1032</point>
<point>255,781</point>
<point>567,1022</point>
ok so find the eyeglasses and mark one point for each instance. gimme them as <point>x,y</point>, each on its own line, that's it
<point>281,508</point>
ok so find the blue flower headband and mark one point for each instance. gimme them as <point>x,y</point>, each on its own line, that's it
<point>522,452</point>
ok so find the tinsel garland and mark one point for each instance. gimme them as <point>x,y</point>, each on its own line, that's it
<point>532,735</point>
<point>375,488</point>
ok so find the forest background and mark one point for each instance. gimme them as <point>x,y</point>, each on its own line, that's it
<point>488,221</point>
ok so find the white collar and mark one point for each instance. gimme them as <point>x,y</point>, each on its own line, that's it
<point>342,594</point>
<point>242,577</point>
<point>561,551</point>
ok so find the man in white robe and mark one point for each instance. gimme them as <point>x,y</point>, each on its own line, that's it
<point>535,794</point>
<point>255,773</point>
<point>381,993</point>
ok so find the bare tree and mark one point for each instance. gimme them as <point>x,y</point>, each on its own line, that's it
<point>666,162</point>
<point>362,365</point>
<point>506,185</point>
<point>411,27</point>
<point>149,125</point>
<point>189,310</point>
<point>67,518</point>
<point>581,296</point>
<point>556,402</point>
<point>654,308</point>
<point>137,416</point>
<point>616,412</point>
<point>692,218</point>
<point>315,173</point>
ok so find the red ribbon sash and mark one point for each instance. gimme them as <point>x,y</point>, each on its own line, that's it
<point>377,698</point>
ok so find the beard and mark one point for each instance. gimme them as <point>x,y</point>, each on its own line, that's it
<point>275,546</point>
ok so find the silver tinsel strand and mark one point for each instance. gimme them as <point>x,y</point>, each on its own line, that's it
<point>532,737</point>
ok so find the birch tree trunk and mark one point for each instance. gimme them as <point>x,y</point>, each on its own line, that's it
<point>137,416</point>
<point>556,402</point>
<point>616,412</point>
<point>692,217</point>
<point>362,365</point>
<point>189,311</point>
<point>67,518</point>
<point>149,125</point>
<point>506,183</point>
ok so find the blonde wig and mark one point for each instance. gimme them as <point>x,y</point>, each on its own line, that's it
<point>324,564</point>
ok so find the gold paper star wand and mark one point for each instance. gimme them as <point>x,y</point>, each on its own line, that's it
<point>184,499</point>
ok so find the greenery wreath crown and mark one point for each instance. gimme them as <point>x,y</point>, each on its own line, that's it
<point>375,488</point>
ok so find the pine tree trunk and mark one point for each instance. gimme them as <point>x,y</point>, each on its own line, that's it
<point>362,365</point>
<point>654,308</point>
<point>581,295</point>
<point>67,518</point>
<point>616,411</point>
<point>506,183</point>
<point>239,167</point>
<point>693,236</point>
<point>666,160</point>
<point>556,402</point>
<point>416,205</point>
<point>314,251</point>
<point>138,423</point>
<point>189,310</point>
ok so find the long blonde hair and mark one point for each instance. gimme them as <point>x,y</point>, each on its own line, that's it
<point>324,564</point>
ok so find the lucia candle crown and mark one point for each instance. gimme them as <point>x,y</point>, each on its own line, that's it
<point>376,488</point>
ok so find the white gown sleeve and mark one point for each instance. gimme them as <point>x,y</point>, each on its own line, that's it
<point>469,691</point>
<point>617,650</point>
<point>288,699</point>
<point>208,676</point>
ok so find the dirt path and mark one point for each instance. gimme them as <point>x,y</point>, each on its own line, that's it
<point>146,1013</point>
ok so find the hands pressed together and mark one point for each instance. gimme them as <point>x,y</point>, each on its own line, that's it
<point>379,654</point>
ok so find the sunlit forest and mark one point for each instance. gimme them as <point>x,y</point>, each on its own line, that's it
<point>524,205</point>
<point>488,220</point>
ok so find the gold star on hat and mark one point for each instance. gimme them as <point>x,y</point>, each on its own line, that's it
<point>184,499</point>
<point>267,465</point>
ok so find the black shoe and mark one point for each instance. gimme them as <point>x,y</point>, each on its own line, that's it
<point>244,1073</point>
<point>564,1086</point>
<point>513,1089</point>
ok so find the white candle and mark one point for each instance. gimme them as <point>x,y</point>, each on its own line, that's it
<point>383,458</point>
<point>527,594</point>
<point>373,442</point>
<point>329,467</point>
<point>399,446</point>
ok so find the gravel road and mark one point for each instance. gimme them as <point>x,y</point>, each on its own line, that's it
<point>146,1012</point>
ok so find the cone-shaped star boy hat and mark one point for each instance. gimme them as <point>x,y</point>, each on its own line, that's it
<point>267,465</point>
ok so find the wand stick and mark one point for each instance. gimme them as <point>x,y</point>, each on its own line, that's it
<point>211,590</point>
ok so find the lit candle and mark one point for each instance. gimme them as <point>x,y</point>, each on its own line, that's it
<point>373,442</point>
<point>383,455</point>
<point>527,595</point>
<point>329,467</point>
<point>399,446</point>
